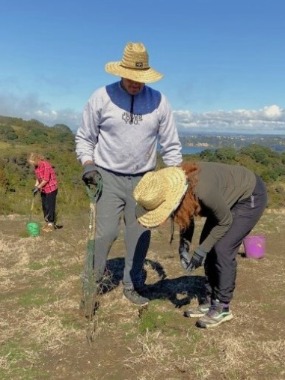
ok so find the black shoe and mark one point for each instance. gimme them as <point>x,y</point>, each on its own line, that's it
<point>57,226</point>
<point>135,297</point>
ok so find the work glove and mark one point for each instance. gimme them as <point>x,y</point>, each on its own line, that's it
<point>90,175</point>
<point>198,258</point>
<point>35,190</point>
<point>184,253</point>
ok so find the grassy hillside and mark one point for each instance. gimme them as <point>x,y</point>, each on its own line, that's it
<point>19,137</point>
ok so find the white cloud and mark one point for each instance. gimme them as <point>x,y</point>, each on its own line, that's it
<point>270,119</point>
<point>30,107</point>
<point>273,112</point>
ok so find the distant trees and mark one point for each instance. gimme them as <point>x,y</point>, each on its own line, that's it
<point>3,177</point>
<point>262,160</point>
<point>18,138</point>
<point>260,154</point>
<point>267,163</point>
<point>7,133</point>
<point>270,165</point>
<point>226,155</point>
<point>33,132</point>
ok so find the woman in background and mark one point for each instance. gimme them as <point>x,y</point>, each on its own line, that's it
<point>46,185</point>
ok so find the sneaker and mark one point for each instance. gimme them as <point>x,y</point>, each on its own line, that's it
<point>216,315</point>
<point>48,227</point>
<point>135,297</point>
<point>199,311</point>
<point>57,226</point>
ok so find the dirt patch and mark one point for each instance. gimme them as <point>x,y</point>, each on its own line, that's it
<point>43,335</point>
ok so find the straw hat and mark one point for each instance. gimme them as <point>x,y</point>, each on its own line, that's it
<point>134,65</point>
<point>158,194</point>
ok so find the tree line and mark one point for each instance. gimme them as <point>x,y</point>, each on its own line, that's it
<point>19,137</point>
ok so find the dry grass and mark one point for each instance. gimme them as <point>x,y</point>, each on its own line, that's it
<point>43,336</point>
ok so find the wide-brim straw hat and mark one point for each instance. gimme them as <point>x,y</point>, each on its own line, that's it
<point>134,65</point>
<point>158,194</point>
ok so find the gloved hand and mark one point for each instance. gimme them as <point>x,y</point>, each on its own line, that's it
<point>90,175</point>
<point>198,258</point>
<point>184,253</point>
<point>35,190</point>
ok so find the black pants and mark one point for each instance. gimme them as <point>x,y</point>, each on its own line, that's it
<point>220,264</point>
<point>48,206</point>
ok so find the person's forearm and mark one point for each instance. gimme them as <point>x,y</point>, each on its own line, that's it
<point>41,184</point>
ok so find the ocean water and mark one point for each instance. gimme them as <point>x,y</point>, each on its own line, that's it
<point>192,149</point>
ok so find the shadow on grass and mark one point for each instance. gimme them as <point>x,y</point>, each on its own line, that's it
<point>180,291</point>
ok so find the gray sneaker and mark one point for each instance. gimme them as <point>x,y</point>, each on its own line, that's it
<point>135,297</point>
<point>216,315</point>
<point>199,311</point>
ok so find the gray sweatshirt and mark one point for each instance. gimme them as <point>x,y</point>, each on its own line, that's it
<point>121,132</point>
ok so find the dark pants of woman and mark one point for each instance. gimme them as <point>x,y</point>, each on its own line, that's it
<point>48,206</point>
<point>220,265</point>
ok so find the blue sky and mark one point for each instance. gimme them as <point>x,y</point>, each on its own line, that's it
<point>223,61</point>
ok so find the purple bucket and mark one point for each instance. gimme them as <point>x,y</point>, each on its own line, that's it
<point>254,246</point>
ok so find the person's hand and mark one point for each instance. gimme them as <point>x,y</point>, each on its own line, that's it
<point>185,259</point>
<point>90,175</point>
<point>35,190</point>
<point>184,253</point>
<point>198,258</point>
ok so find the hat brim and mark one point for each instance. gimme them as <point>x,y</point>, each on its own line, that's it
<point>177,187</point>
<point>143,76</point>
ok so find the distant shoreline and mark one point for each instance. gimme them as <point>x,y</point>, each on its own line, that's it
<point>198,149</point>
<point>195,144</point>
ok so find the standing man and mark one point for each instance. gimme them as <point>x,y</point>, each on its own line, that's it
<point>122,125</point>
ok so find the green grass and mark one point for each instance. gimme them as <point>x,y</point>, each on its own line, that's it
<point>151,320</point>
<point>17,362</point>
<point>36,297</point>
<point>55,270</point>
<point>36,265</point>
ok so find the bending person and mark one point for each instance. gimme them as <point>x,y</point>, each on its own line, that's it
<point>231,197</point>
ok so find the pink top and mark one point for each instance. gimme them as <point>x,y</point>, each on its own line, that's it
<point>44,171</point>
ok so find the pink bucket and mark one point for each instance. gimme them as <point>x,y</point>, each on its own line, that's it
<point>254,246</point>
